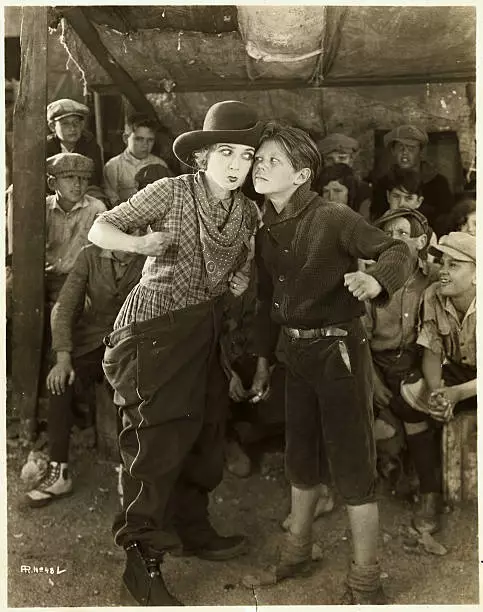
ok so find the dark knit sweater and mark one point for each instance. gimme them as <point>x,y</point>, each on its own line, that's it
<point>302,255</point>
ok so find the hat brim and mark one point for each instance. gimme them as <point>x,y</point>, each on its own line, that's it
<point>58,117</point>
<point>185,144</point>
<point>454,253</point>
<point>407,141</point>
<point>416,394</point>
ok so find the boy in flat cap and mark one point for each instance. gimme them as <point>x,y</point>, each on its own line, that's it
<point>311,295</point>
<point>337,180</point>
<point>66,120</point>
<point>405,145</point>
<point>70,212</point>
<point>392,328</point>
<point>120,171</point>
<point>448,386</point>
<point>162,357</point>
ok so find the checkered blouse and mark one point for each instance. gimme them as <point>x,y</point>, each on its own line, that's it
<point>178,278</point>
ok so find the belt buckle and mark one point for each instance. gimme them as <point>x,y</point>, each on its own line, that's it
<point>296,333</point>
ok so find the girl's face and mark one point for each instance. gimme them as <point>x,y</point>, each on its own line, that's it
<point>335,191</point>
<point>469,226</point>
<point>227,165</point>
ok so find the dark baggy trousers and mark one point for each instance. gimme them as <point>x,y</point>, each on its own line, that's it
<point>167,379</point>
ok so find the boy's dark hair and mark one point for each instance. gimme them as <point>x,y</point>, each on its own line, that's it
<point>137,120</point>
<point>297,144</point>
<point>408,180</point>
<point>460,212</point>
<point>343,174</point>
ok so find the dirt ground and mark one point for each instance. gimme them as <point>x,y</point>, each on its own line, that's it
<point>71,538</point>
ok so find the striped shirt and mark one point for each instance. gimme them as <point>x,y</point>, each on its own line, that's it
<point>66,232</point>
<point>177,279</point>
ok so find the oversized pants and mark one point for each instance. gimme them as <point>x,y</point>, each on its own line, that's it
<point>167,379</point>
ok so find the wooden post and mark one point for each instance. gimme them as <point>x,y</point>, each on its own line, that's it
<point>29,217</point>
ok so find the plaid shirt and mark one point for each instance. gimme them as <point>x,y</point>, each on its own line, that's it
<point>178,278</point>
<point>67,231</point>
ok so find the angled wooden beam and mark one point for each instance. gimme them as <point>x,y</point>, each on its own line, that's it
<point>29,217</point>
<point>125,84</point>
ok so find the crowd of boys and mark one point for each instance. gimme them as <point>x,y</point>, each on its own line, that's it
<point>412,263</point>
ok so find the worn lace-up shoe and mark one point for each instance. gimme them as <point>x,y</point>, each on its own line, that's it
<point>363,586</point>
<point>143,583</point>
<point>55,484</point>
<point>427,518</point>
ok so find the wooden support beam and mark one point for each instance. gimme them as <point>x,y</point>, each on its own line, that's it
<point>192,86</point>
<point>29,217</point>
<point>125,84</point>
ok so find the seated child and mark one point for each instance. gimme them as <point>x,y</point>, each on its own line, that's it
<point>392,327</point>
<point>150,174</point>
<point>66,120</point>
<point>448,338</point>
<point>70,212</point>
<point>120,171</point>
<point>101,280</point>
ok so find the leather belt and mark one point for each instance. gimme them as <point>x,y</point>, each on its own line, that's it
<point>319,332</point>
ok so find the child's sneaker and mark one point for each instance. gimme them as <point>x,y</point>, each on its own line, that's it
<point>55,484</point>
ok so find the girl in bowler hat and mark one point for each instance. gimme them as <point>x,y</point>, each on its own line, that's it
<point>162,359</point>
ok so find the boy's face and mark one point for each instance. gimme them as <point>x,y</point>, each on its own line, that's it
<point>335,191</point>
<point>400,229</point>
<point>339,157</point>
<point>407,155</point>
<point>228,165</point>
<point>273,173</point>
<point>71,188</point>
<point>69,129</point>
<point>469,226</point>
<point>140,142</point>
<point>398,197</point>
<point>456,277</point>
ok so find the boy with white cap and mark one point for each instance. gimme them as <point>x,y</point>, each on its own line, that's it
<point>448,336</point>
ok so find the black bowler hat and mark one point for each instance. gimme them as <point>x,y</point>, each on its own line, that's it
<point>229,121</point>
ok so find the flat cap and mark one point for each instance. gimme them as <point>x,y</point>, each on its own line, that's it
<point>458,245</point>
<point>338,142</point>
<point>65,164</point>
<point>405,133</point>
<point>411,213</point>
<point>64,108</point>
<point>150,174</point>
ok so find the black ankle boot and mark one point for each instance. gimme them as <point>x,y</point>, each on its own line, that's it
<point>143,584</point>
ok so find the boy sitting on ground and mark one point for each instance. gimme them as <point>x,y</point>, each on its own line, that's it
<point>120,171</point>
<point>448,337</point>
<point>101,280</point>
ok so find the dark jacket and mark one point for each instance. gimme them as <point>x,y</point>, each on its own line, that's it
<point>302,255</point>
<point>80,330</point>
<point>86,145</point>
<point>438,198</point>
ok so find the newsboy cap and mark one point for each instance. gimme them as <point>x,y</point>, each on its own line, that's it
<point>405,133</point>
<point>458,245</point>
<point>339,143</point>
<point>65,164</point>
<point>64,108</point>
<point>407,213</point>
